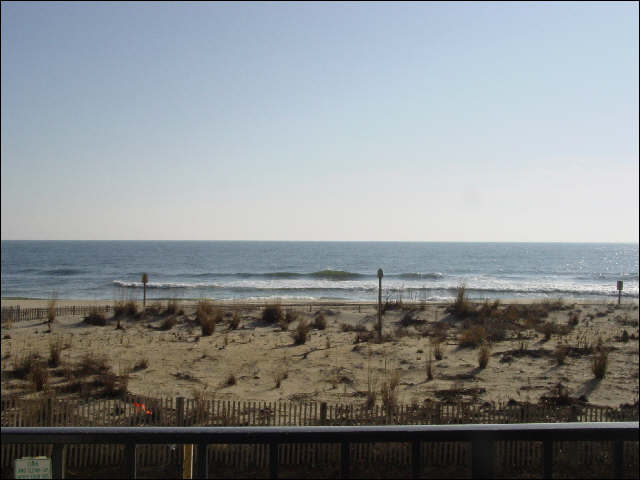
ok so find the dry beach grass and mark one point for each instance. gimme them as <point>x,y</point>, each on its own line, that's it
<point>460,351</point>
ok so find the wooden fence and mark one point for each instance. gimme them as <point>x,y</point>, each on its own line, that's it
<point>128,411</point>
<point>15,314</point>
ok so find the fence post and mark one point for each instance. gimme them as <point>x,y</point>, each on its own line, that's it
<point>273,460</point>
<point>618,458</point>
<point>202,461</point>
<point>547,459</point>
<point>345,460</point>
<point>416,459</point>
<point>482,457</point>
<point>58,457</point>
<point>323,413</point>
<point>130,459</point>
<point>180,411</point>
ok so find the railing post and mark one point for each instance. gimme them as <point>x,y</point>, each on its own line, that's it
<point>416,459</point>
<point>202,461</point>
<point>482,457</point>
<point>547,468</point>
<point>273,460</point>
<point>130,459</point>
<point>345,460</point>
<point>58,458</point>
<point>618,458</point>
<point>323,413</point>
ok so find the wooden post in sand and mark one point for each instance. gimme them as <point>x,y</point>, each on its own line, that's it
<point>619,287</point>
<point>380,304</point>
<point>145,280</point>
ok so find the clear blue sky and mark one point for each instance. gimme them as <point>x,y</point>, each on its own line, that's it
<point>339,121</point>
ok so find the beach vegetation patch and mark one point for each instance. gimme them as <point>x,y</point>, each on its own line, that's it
<point>23,364</point>
<point>320,322</point>
<point>599,364</point>
<point>272,314</point>
<point>234,322</point>
<point>39,376</point>
<point>560,353</point>
<point>301,333</point>
<point>483,356</point>
<point>172,306</point>
<point>95,317</point>
<point>55,352</point>
<point>389,391</point>
<point>472,336</point>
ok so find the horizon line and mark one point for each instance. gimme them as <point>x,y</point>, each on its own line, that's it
<point>311,241</point>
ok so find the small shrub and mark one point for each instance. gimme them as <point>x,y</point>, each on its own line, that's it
<point>113,385</point>
<point>290,316</point>
<point>204,308</point>
<point>301,333</point>
<point>561,353</point>
<point>409,319</point>
<point>168,323</point>
<point>272,314</point>
<point>437,348</point>
<point>55,351</point>
<point>625,336</point>
<point>51,312</point>
<point>39,376</point>
<point>389,391</point>
<point>278,376</point>
<point>231,380</point>
<point>429,368</point>
<point>599,364</point>
<point>234,321</point>
<point>547,329</point>
<point>574,319</point>
<point>95,317</point>
<point>172,306</point>
<point>207,324</point>
<point>473,336</point>
<point>92,364</point>
<point>461,307</point>
<point>22,365</point>
<point>320,322</point>
<point>370,399</point>
<point>131,308</point>
<point>483,356</point>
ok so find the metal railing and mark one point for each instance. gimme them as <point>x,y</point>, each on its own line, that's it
<point>481,437</point>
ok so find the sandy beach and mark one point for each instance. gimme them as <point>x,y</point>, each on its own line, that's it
<point>344,361</point>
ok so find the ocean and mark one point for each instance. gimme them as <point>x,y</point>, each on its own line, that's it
<point>111,270</point>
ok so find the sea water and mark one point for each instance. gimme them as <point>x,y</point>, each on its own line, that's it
<point>431,271</point>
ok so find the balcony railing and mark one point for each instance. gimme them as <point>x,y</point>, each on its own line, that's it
<point>481,437</point>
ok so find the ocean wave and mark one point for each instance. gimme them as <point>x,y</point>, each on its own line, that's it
<point>421,276</point>
<point>336,275</point>
<point>369,287</point>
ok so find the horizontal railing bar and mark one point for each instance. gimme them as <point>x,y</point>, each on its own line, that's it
<point>586,431</point>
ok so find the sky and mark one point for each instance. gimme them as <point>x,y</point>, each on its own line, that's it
<point>325,121</point>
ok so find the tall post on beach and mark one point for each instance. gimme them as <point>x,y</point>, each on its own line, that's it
<point>145,280</point>
<point>379,304</point>
<point>619,287</point>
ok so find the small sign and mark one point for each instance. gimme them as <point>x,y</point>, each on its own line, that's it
<point>379,273</point>
<point>619,285</point>
<point>32,467</point>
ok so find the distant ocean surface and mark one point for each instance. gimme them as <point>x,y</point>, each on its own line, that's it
<point>111,270</point>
